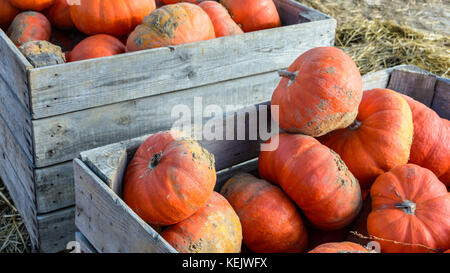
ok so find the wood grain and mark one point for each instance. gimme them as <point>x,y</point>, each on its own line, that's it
<point>416,85</point>
<point>441,101</point>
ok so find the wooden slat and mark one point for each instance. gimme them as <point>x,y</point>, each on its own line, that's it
<point>56,229</point>
<point>85,245</point>
<point>416,85</point>
<point>441,101</point>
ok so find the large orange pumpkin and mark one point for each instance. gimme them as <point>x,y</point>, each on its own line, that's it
<point>7,13</point>
<point>320,92</point>
<point>221,19</point>
<point>59,15</point>
<point>118,17</point>
<point>270,221</point>
<point>253,14</point>
<point>215,228</point>
<point>172,25</point>
<point>431,142</point>
<point>96,46</point>
<point>169,178</point>
<point>410,206</point>
<point>36,5</point>
<point>378,140</point>
<point>315,178</point>
<point>342,247</point>
<point>29,26</point>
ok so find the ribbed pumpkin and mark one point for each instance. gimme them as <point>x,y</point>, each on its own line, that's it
<point>29,26</point>
<point>36,5</point>
<point>411,206</point>
<point>118,17</point>
<point>431,142</point>
<point>169,178</point>
<point>172,25</point>
<point>320,92</point>
<point>59,15</point>
<point>270,221</point>
<point>342,247</point>
<point>315,178</point>
<point>214,228</point>
<point>253,15</point>
<point>7,14</point>
<point>221,19</point>
<point>379,139</point>
<point>96,46</point>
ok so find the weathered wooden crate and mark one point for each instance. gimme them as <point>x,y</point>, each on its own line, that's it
<point>107,224</point>
<point>49,114</point>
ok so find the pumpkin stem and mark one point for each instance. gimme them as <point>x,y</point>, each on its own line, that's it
<point>407,206</point>
<point>355,125</point>
<point>155,160</point>
<point>287,74</point>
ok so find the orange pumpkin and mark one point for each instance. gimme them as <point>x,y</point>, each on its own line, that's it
<point>29,26</point>
<point>96,46</point>
<point>117,17</point>
<point>253,15</point>
<point>430,147</point>
<point>270,221</point>
<point>315,178</point>
<point>59,15</point>
<point>7,14</point>
<point>221,19</point>
<point>412,207</point>
<point>320,92</point>
<point>215,228</point>
<point>172,25</point>
<point>342,247</point>
<point>169,178</point>
<point>36,5</point>
<point>378,140</point>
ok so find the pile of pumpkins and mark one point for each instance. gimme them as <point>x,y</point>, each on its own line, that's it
<point>376,162</point>
<point>86,29</point>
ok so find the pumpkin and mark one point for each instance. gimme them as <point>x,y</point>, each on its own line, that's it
<point>448,251</point>
<point>411,207</point>
<point>42,53</point>
<point>378,140</point>
<point>314,177</point>
<point>320,92</point>
<point>342,247</point>
<point>253,15</point>
<point>169,178</point>
<point>36,5</point>
<point>29,26</point>
<point>430,147</point>
<point>270,221</point>
<point>7,14</point>
<point>172,25</point>
<point>359,225</point>
<point>96,46</point>
<point>117,17</point>
<point>221,19</point>
<point>215,228</point>
<point>59,15</point>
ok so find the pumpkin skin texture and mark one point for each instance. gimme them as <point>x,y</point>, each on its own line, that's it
<point>29,26</point>
<point>270,221</point>
<point>118,17</point>
<point>7,14</point>
<point>321,94</point>
<point>221,19</point>
<point>315,178</point>
<point>342,247</point>
<point>431,142</point>
<point>410,205</point>
<point>36,5</point>
<point>215,228</point>
<point>96,46</point>
<point>172,25</point>
<point>59,15</point>
<point>378,140</point>
<point>169,178</point>
<point>253,15</point>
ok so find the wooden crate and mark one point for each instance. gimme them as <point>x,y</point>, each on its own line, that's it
<point>107,224</point>
<point>50,114</point>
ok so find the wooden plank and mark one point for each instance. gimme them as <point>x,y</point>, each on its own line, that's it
<point>107,222</point>
<point>85,245</point>
<point>441,101</point>
<point>416,85</point>
<point>291,12</point>
<point>56,229</point>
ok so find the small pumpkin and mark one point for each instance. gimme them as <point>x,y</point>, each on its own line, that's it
<point>7,14</point>
<point>412,207</point>
<point>29,26</point>
<point>42,53</point>
<point>320,92</point>
<point>36,5</point>
<point>379,139</point>
<point>117,17</point>
<point>341,247</point>
<point>96,46</point>
<point>221,19</point>
<point>214,228</point>
<point>59,15</point>
<point>315,178</point>
<point>172,25</point>
<point>253,15</point>
<point>169,178</point>
<point>270,221</point>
